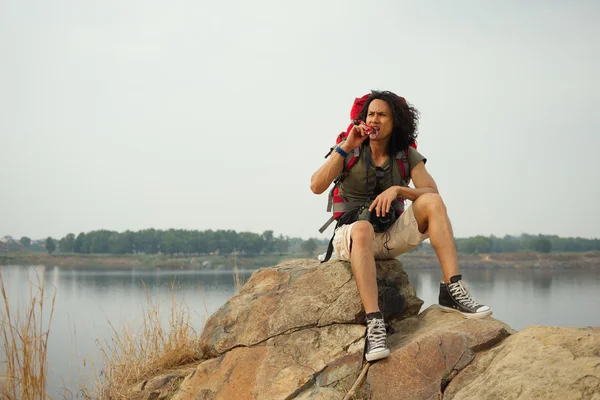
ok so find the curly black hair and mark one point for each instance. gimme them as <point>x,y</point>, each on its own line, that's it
<point>405,116</point>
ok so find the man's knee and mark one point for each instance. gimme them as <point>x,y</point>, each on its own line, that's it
<point>430,203</point>
<point>362,234</point>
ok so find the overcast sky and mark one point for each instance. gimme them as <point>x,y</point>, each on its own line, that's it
<point>214,114</point>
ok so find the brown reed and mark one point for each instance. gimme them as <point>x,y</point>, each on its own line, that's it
<point>133,355</point>
<point>23,364</point>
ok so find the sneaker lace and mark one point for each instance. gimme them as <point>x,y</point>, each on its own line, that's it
<point>460,291</point>
<point>376,333</point>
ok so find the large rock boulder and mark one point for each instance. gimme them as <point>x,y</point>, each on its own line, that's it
<point>536,363</point>
<point>302,294</point>
<point>294,330</point>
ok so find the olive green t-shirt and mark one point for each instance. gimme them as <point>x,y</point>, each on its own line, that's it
<point>356,186</point>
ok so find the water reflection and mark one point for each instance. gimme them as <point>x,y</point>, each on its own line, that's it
<point>523,297</point>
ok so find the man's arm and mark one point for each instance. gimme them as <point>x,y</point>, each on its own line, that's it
<point>423,182</point>
<point>321,179</point>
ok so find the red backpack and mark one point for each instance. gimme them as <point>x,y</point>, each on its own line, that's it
<point>335,202</point>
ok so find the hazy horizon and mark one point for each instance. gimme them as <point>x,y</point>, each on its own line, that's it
<point>201,115</point>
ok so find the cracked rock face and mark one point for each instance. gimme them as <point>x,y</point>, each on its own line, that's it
<point>428,351</point>
<point>294,331</point>
<point>279,368</point>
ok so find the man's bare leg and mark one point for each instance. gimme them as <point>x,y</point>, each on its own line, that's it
<point>365,274</point>
<point>430,212</point>
<point>363,264</point>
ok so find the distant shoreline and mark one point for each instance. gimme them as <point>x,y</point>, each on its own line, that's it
<point>587,260</point>
<point>127,261</point>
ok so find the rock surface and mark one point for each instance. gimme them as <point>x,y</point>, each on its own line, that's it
<point>536,363</point>
<point>428,351</point>
<point>295,330</point>
<point>302,294</point>
<point>281,367</point>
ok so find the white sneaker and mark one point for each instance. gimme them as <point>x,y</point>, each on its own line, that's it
<point>455,297</point>
<point>376,340</point>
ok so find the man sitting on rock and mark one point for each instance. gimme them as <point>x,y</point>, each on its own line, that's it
<point>372,192</point>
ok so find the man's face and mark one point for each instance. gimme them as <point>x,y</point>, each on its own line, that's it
<point>379,116</point>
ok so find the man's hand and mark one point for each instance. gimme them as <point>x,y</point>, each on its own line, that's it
<point>356,137</point>
<point>383,202</point>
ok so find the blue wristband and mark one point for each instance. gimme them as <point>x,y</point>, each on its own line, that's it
<point>341,151</point>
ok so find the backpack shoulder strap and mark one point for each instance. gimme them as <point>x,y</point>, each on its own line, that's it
<point>350,160</point>
<point>404,165</point>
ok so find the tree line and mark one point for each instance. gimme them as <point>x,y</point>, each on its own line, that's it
<point>173,241</point>
<point>178,241</point>
<point>521,244</point>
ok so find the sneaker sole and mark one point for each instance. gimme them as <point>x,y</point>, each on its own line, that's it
<point>378,355</point>
<point>467,315</point>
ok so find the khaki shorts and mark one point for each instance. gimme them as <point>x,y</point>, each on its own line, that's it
<point>401,237</point>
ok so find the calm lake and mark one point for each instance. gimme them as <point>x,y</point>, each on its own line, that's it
<point>86,300</point>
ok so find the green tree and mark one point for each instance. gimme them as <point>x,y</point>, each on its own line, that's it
<point>198,243</point>
<point>476,245</point>
<point>282,244</point>
<point>211,241</point>
<point>225,241</point>
<point>50,245</point>
<point>170,243</point>
<point>25,241</point>
<point>121,243</point>
<point>99,241</point>
<point>251,243</point>
<point>508,244</point>
<point>67,244</point>
<point>269,241</point>
<point>541,245</point>
<point>309,246</point>
<point>147,241</point>
<point>78,245</point>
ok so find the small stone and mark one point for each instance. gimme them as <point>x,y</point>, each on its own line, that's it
<point>160,382</point>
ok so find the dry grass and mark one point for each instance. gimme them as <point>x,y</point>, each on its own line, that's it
<point>134,355</point>
<point>239,282</point>
<point>25,344</point>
